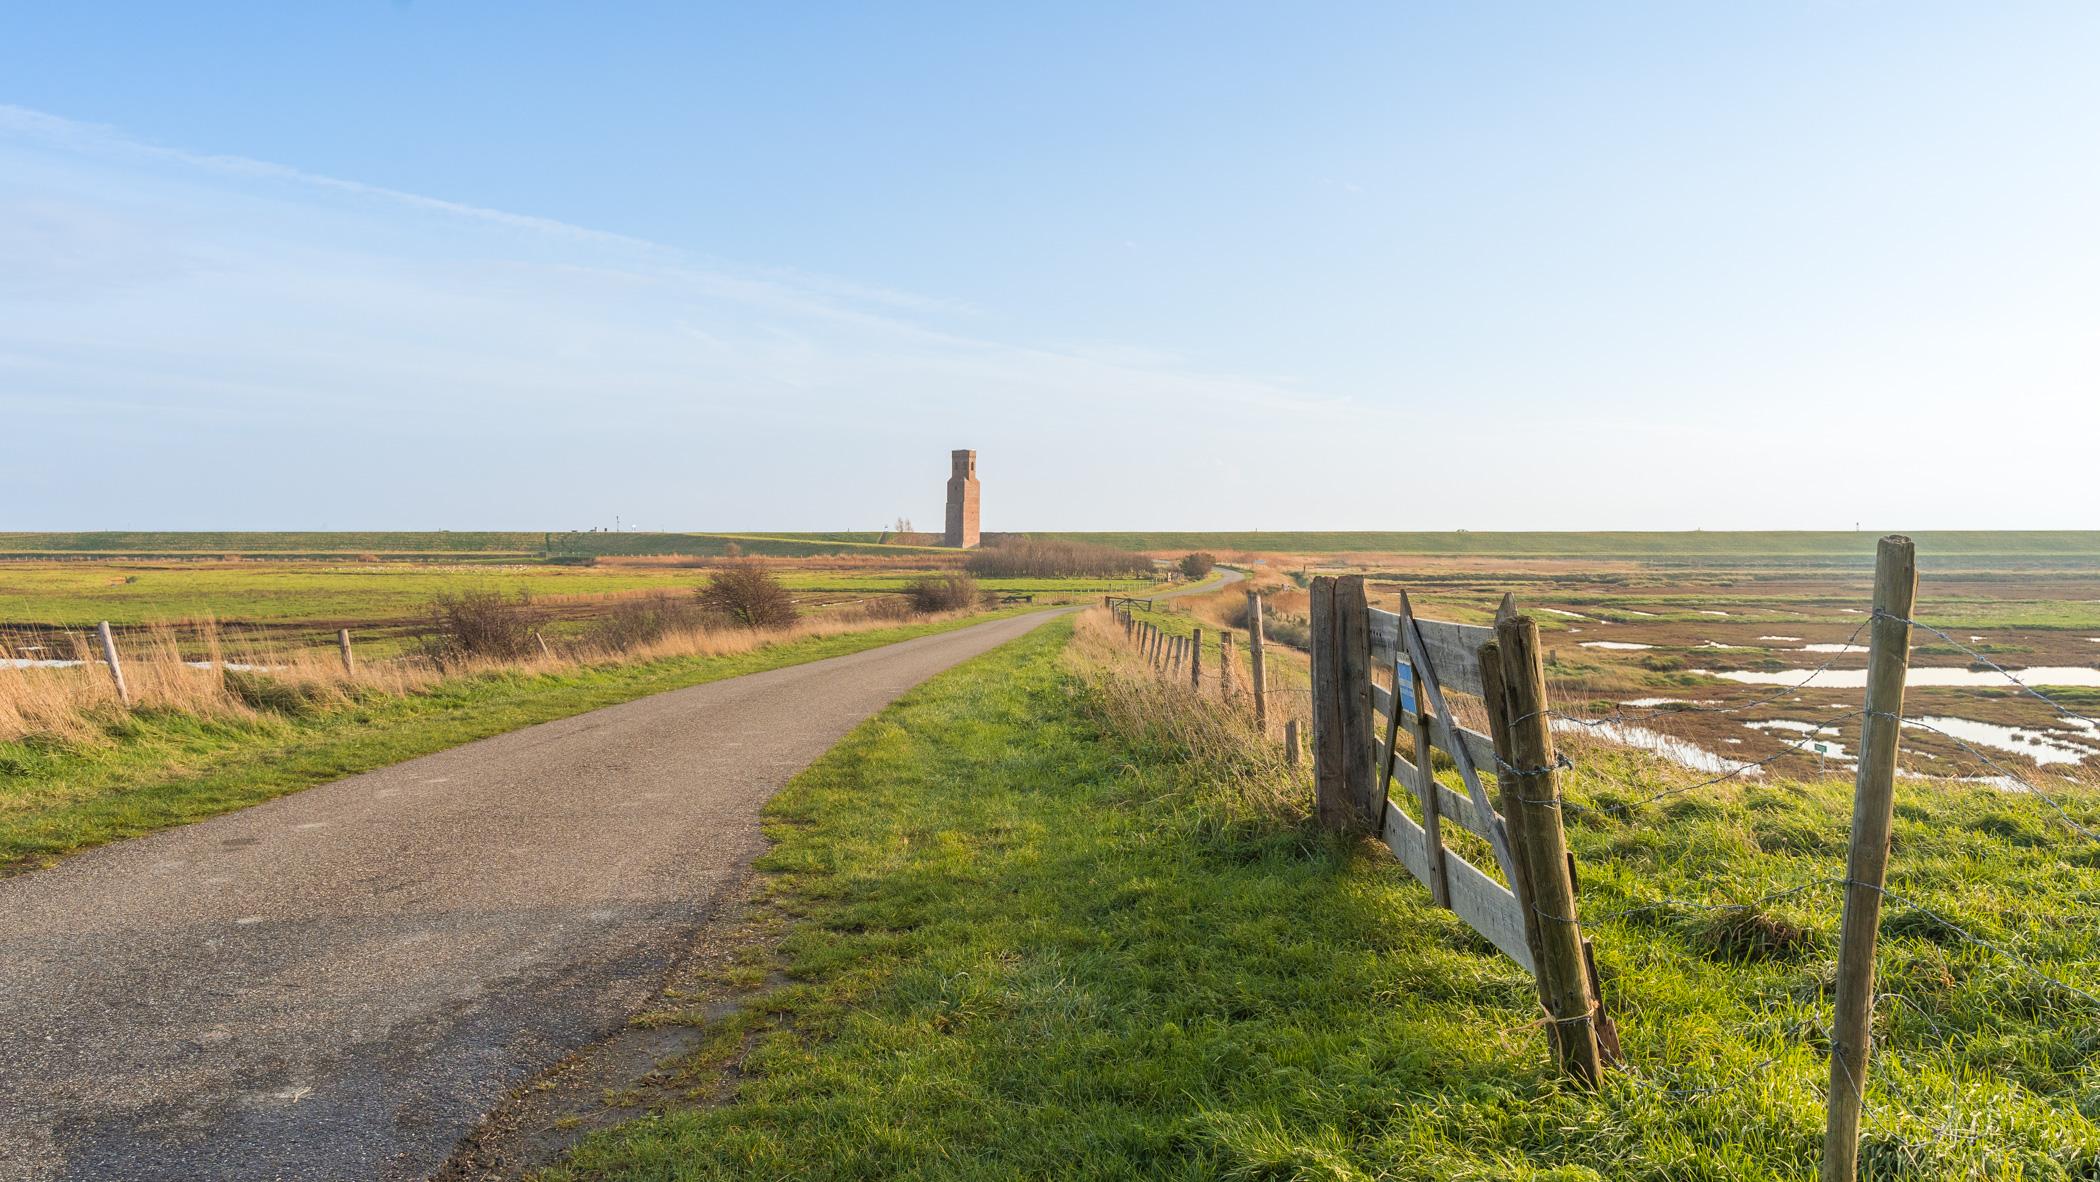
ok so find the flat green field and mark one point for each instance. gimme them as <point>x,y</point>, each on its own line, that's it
<point>130,592</point>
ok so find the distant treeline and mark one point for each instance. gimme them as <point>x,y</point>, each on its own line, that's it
<point>1014,556</point>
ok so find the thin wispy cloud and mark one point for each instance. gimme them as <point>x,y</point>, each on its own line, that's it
<point>161,293</point>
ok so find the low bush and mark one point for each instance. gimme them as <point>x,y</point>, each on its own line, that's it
<point>942,593</point>
<point>634,622</point>
<point>1197,564</point>
<point>479,623</point>
<point>746,594</point>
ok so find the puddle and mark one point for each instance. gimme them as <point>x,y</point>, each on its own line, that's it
<point>1557,612</point>
<point>1627,611</point>
<point>2079,675</point>
<point>1711,612</point>
<point>1670,747</point>
<point>1793,639</point>
<point>1646,703</point>
<point>1624,645</point>
<point>1833,648</point>
<point>2043,747</point>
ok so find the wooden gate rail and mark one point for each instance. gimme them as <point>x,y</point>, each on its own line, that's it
<point>1530,915</point>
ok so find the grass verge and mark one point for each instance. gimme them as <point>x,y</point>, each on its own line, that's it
<point>156,768</point>
<point>1044,920</point>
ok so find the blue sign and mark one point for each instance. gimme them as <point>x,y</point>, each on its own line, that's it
<point>1404,681</point>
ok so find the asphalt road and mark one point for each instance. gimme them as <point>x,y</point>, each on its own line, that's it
<point>337,984</point>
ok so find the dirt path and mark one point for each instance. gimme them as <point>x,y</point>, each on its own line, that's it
<point>338,983</point>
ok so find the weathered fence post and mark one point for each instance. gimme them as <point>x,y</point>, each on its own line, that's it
<point>116,667</point>
<point>1225,664</point>
<point>1293,746</point>
<point>1343,775</point>
<point>1531,800</point>
<point>1196,661</point>
<point>1867,862</point>
<point>342,639</point>
<point>1254,654</point>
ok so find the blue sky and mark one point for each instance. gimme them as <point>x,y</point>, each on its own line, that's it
<point>430,265</point>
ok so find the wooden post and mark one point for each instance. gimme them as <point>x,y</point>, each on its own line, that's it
<point>1513,814</point>
<point>1225,664</point>
<point>1293,746</point>
<point>1254,653</point>
<point>1867,862</point>
<point>116,667</point>
<point>1330,785</point>
<point>342,640</point>
<point>1343,774</point>
<point>1353,616</point>
<point>1531,795</point>
<point>1196,661</point>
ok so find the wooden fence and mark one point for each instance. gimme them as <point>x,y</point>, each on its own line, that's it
<point>1391,691</point>
<point>1529,911</point>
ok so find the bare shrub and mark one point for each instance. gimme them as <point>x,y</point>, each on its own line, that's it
<point>645,619</point>
<point>747,595</point>
<point>1056,559</point>
<point>942,593</point>
<point>1197,564</point>
<point>889,609</point>
<point>479,624</point>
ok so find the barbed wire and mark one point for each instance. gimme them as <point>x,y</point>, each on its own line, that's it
<point>1944,1128</point>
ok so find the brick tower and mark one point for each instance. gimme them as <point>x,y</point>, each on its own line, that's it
<point>962,501</point>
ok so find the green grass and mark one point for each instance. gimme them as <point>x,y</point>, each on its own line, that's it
<point>158,769</point>
<point>1023,944</point>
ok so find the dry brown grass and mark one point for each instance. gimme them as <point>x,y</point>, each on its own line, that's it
<point>1152,709</point>
<point>241,675</point>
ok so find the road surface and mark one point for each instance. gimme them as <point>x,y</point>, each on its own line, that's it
<point>337,984</point>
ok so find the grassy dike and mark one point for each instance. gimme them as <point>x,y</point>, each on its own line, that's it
<point>1025,934</point>
<point>158,769</point>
